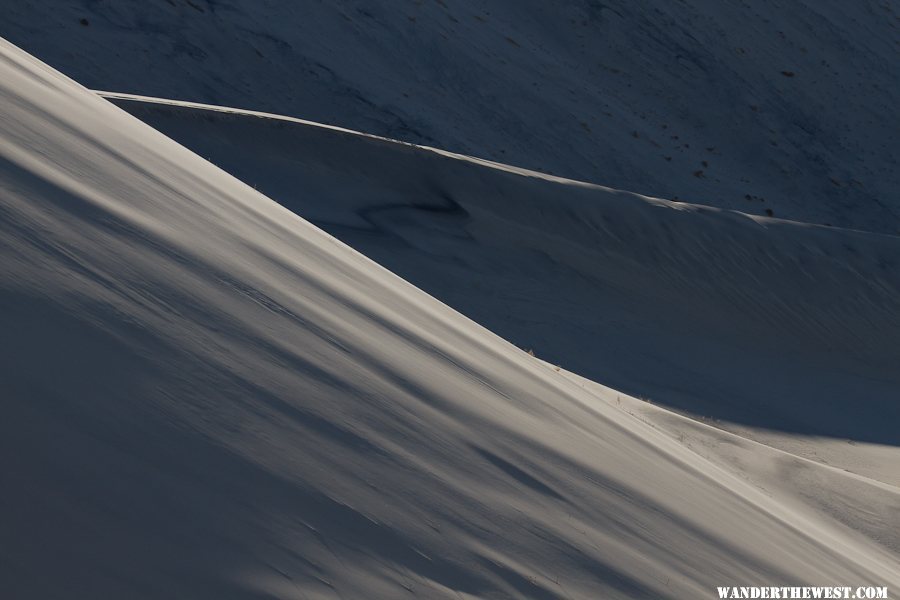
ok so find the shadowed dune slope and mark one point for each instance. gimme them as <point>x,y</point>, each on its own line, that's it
<point>752,105</point>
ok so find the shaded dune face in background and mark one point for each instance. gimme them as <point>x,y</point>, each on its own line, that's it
<point>766,107</point>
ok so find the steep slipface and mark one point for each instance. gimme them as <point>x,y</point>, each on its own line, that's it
<point>205,396</point>
<point>780,331</point>
<point>759,106</point>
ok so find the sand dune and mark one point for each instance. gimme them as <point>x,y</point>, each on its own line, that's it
<point>206,396</point>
